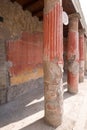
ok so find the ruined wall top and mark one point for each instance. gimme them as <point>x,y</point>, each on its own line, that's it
<point>16,20</point>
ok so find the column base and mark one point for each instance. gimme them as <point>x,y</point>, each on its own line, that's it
<point>52,122</point>
<point>73,80</point>
<point>81,79</point>
<point>72,90</point>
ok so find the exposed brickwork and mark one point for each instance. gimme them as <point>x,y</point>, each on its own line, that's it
<point>53,62</point>
<point>17,20</point>
<point>3,72</point>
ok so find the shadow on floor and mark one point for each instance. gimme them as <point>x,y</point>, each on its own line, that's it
<point>23,106</point>
<point>67,124</point>
<point>67,95</point>
<point>38,125</point>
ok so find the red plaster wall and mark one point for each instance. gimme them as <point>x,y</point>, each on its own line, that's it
<point>25,53</point>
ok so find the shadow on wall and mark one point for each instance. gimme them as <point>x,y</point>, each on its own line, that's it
<point>38,125</point>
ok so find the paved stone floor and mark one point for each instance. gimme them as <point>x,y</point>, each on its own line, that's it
<point>27,112</point>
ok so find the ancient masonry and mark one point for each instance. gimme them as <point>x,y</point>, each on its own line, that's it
<point>73,53</point>
<point>53,62</point>
<point>81,55</point>
<point>15,21</point>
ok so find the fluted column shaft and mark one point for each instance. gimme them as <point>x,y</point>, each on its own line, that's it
<point>53,61</point>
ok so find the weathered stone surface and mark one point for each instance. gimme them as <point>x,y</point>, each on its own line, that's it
<point>73,54</point>
<point>73,67</point>
<point>49,5</point>
<point>16,20</point>
<point>53,93</point>
<point>4,80</point>
<point>53,73</point>
<point>3,68</point>
<point>53,61</point>
<point>74,18</point>
<point>17,90</point>
<point>3,96</point>
<point>81,71</point>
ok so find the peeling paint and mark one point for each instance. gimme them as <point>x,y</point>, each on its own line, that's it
<point>53,92</point>
<point>73,67</point>
<point>73,54</point>
<point>53,62</point>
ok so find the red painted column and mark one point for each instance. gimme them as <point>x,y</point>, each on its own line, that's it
<point>85,71</point>
<point>81,55</point>
<point>53,61</point>
<point>73,54</point>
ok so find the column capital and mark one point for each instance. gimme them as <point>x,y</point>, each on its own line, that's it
<point>49,4</point>
<point>81,31</point>
<point>74,21</point>
<point>74,16</point>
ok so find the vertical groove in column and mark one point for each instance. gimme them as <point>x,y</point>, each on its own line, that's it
<point>51,44</point>
<point>55,32</point>
<point>52,69</point>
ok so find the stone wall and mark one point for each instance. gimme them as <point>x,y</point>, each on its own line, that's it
<point>3,73</point>
<point>17,20</point>
<point>25,59</point>
<point>17,90</point>
<point>4,79</point>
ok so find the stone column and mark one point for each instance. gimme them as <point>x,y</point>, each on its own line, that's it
<point>85,56</point>
<point>53,61</point>
<point>81,55</point>
<point>73,53</point>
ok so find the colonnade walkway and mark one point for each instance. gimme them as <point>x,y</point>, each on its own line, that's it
<point>27,111</point>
